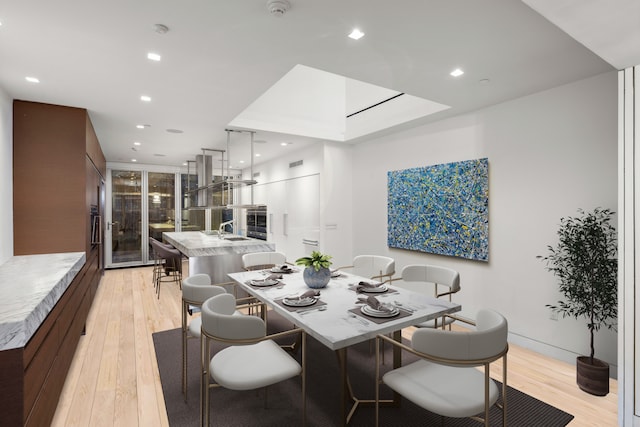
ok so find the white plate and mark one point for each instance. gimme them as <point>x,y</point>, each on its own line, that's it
<point>377,313</point>
<point>373,290</point>
<point>265,282</point>
<point>299,303</point>
<point>278,270</point>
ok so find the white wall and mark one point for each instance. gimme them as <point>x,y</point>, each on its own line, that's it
<point>549,154</point>
<point>6,176</point>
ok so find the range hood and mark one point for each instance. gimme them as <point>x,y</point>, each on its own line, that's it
<point>217,191</point>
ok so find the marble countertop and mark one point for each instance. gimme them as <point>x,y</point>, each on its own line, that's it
<point>30,286</point>
<point>336,326</point>
<point>195,244</point>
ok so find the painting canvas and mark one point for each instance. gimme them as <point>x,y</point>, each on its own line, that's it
<point>441,209</point>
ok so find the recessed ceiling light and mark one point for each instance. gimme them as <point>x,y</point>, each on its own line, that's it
<point>457,72</point>
<point>133,160</point>
<point>241,161</point>
<point>153,56</point>
<point>356,34</point>
<point>485,81</point>
<point>137,143</point>
<point>145,98</point>
<point>32,79</point>
<point>184,164</point>
<point>284,144</point>
<point>258,154</point>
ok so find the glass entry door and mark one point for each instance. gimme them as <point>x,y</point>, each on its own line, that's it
<point>162,203</point>
<point>124,228</point>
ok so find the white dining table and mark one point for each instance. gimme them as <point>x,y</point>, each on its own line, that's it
<point>339,323</point>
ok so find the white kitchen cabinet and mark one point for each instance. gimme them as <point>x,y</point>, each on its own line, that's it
<point>293,208</point>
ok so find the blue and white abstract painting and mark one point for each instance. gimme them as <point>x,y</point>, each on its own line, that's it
<point>441,209</point>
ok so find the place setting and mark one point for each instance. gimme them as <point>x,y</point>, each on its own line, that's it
<point>335,274</point>
<point>267,282</point>
<point>378,312</point>
<point>302,303</point>
<point>370,287</point>
<point>283,269</point>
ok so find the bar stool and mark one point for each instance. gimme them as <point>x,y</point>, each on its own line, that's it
<point>171,260</point>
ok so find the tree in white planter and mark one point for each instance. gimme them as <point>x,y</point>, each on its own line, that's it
<point>586,265</point>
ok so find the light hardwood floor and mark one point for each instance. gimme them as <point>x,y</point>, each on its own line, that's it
<point>114,380</point>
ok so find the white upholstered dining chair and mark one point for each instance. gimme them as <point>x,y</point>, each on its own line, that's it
<point>251,360</point>
<point>441,282</point>
<point>377,267</point>
<point>444,379</point>
<point>196,289</point>
<point>262,260</point>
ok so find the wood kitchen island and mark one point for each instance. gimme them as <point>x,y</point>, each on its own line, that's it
<point>215,256</point>
<point>44,303</point>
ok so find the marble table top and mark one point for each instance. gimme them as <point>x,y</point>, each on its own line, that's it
<point>30,286</point>
<point>337,326</point>
<point>195,244</point>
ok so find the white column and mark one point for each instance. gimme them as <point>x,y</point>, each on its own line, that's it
<point>629,241</point>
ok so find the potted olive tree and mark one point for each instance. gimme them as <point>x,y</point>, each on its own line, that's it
<point>586,265</point>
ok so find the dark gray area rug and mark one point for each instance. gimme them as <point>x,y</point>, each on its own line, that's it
<point>239,409</point>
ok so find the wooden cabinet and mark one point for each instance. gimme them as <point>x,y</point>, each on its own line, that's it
<point>58,168</point>
<point>58,190</point>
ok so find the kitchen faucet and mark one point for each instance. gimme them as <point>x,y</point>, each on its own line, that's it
<point>223,224</point>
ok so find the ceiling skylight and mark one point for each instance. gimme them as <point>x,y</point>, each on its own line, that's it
<point>313,103</point>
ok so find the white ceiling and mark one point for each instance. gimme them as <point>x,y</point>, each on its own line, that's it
<point>610,29</point>
<point>221,56</point>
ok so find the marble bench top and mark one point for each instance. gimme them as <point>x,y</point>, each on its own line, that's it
<point>30,286</point>
<point>195,244</point>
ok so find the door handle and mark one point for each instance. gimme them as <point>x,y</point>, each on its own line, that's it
<point>285,224</point>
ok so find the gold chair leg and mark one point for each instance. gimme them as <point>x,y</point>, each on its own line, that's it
<point>377,379</point>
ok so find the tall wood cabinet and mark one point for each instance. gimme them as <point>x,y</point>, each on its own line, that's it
<point>58,200</point>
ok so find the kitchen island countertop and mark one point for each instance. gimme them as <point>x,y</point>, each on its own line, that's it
<point>198,244</point>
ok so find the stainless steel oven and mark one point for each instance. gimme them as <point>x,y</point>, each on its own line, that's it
<point>257,223</point>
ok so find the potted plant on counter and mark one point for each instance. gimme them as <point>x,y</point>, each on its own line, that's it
<point>586,265</point>
<point>316,273</point>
